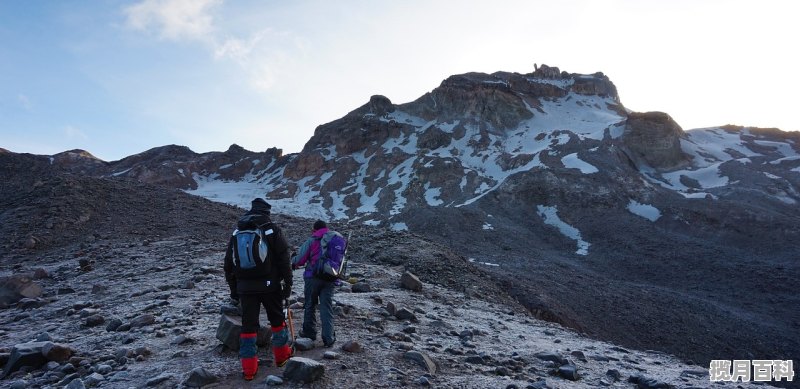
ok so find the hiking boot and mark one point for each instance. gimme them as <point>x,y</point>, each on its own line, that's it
<point>303,335</point>
<point>328,344</point>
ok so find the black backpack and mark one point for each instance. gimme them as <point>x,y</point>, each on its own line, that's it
<point>250,247</point>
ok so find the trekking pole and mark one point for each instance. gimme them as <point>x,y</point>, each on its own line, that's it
<point>289,320</point>
<point>343,266</point>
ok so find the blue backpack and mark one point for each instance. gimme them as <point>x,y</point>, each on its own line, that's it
<point>250,251</point>
<point>331,261</point>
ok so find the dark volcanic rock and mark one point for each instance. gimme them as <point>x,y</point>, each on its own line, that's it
<point>303,370</point>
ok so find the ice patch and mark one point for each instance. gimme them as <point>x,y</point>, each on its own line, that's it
<point>121,173</point>
<point>550,217</point>
<point>432,195</point>
<point>400,226</point>
<point>646,211</point>
<point>472,260</point>
<point>571,161</point>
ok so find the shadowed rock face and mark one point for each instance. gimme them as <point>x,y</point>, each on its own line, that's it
<point>653,139</point>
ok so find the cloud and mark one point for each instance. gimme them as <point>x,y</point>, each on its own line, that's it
<point>173,19</point>
<point>73,133</point>
<point>25,102</point>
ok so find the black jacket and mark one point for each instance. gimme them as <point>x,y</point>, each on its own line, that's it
<point>266,279</point>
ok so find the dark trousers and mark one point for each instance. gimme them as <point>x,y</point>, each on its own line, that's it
<point>251,307</point>
<point>319,293</point>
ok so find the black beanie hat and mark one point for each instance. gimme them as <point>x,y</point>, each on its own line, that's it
<point>319,224</point>
<point>260,203</point>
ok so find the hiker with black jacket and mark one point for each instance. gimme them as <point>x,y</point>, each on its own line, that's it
<point>259,277</point>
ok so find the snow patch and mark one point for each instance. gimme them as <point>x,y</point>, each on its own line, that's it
<point>400,226</point>
<point>432,195</point>
<point>487,227</point>
<point>571,161</point>
<point>122,172</point>
<point>226,166</point>
<point>646,211</point>
<point>550,217</point>
<point>473,260</point>
<point>180,171</point>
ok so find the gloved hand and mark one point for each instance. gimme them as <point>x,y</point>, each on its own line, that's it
<point>286,291</point>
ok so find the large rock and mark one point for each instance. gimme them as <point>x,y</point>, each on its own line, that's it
<point>411,282</point>
<point>653,139</point>
<point>230,328</point>
<point>421,359</point>
<point>303,370</point>
<point>143,320</point>
<point>25,354</point>
<point>17,287</point>
<point>57,352</point>
<point>199,377</point>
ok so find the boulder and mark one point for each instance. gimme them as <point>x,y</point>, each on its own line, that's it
<point>17,287</point>
<point>653,139</point>
<point>303,370</point>
<point>405,314</point>
<point>230,328</point>
<point>56,352</point>
<point>304,344</point>
<point>421,359</point>
<point>199,377</point>
<point>25,354</point>
<point>411,282</point>
<point>143,320</point>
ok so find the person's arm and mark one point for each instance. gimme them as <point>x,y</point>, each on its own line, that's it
<point>230,278</point>
<point>303,255</point>
<point>281,263</point>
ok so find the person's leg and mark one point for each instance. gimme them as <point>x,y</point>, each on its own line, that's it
<point>248,349</point>
<point>309,314</point>
<point>281,349</point>
<point>326,313</point>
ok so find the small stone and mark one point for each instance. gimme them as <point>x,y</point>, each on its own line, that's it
<point>19,384</point>
<point>304,344</point>
<point>411,282</point>
<point>421,359</point>
<point>423,381</point>
<point>158,379</point>
<point>76,383</point>
<point>273,380</point>
<point>199,377</point>
<point>569,372</point>
<point>352,346</point>
<point>113,324</point>
<point>94,321</point>
<point>94,379</point>
<point>143,320</point>
<point>188,284</point>
<point>56,352</point>
<point>391,308</point>
<point>361,287</point>
<point>330,355</point>
<point>303,370</point>
<point>104,369</point>
<point>405,314</point>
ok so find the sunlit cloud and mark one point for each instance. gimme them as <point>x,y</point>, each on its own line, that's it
<point>173,19</point>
